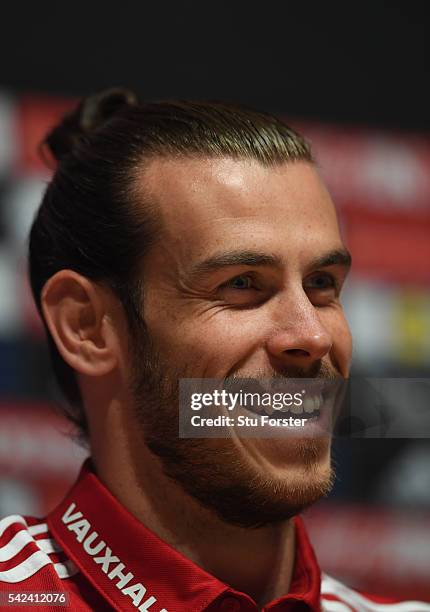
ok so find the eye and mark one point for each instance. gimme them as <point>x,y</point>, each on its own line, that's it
<point>239,282</point>
<point>243,291</point>
<point>321,282</point>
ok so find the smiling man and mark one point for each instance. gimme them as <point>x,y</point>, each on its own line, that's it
<point>182,240</point>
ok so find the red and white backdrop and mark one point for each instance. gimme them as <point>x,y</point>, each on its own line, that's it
<point>381,185</point>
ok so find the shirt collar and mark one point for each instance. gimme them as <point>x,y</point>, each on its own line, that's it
<point>132,567</point>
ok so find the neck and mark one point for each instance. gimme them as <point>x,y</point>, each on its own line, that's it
<point>258,562</point>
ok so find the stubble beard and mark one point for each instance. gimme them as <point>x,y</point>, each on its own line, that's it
<point>211,470</point>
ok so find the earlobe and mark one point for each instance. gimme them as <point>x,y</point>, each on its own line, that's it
<point>75,311</point>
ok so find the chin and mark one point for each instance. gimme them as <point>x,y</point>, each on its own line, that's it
<point>270,498</point>
<point>243,483</point>
<point>286,483</point>
<point>284,454</point>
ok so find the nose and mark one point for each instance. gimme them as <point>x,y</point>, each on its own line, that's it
<point>300,337</point>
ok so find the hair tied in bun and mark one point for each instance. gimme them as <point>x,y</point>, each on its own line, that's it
<point>98,108</point>
<point>91,114</point>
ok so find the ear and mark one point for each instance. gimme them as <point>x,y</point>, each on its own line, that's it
<point>76,311</point>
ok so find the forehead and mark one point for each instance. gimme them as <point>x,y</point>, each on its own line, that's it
<point>211,204</point>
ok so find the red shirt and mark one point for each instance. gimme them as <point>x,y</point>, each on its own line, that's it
<point>91,548</point>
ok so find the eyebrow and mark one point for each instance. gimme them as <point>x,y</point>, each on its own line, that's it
<point>339,257</point>
<point>235,258</point>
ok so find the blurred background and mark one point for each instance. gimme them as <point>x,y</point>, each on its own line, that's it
<point>354,78</point>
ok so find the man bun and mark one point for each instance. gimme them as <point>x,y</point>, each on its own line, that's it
<point>92,113</point>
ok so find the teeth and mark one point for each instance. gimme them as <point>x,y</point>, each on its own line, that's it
<point>319,400</point>
<point>296,409</point>
<point>309,405</point>
<point>312,404</point>
<point>269,409</point>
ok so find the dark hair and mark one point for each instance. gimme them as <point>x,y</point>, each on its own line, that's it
<point>93,218</point>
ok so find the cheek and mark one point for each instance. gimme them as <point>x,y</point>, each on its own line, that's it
<point>341,351</point>
<point>209,345</point>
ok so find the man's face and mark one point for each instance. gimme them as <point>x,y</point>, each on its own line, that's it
<point>244,281</point>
